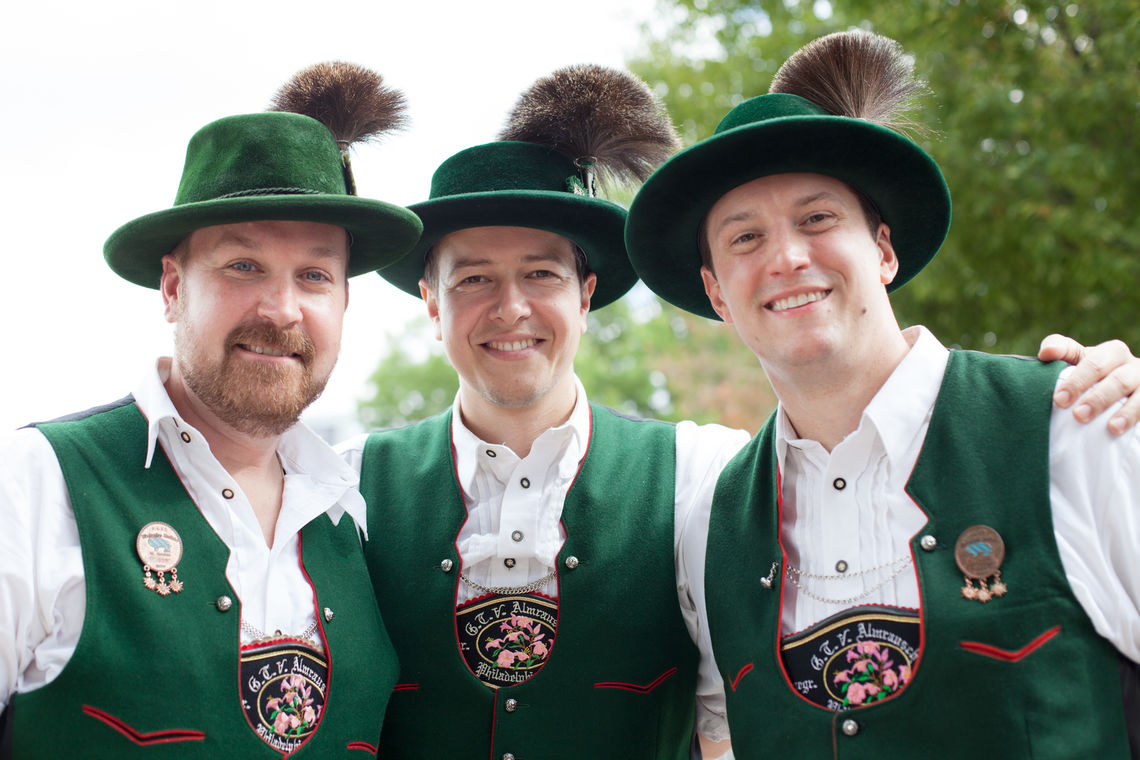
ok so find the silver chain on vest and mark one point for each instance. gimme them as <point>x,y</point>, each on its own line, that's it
<point>794,574</point>
<point>532,586</point>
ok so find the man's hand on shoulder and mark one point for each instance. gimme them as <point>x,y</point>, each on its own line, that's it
<point>1104,374</point>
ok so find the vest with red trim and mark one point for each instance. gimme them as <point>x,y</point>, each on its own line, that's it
<point>1024,675</point>
<point>621,675</point>
<point>156,676</point>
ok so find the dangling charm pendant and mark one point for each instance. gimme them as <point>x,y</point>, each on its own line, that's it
<point>160,548</point>
<point>979,553</point>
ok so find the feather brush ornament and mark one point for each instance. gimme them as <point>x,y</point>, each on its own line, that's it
<point>856,74</point>
<point>607,120</point>
<point>352,101</point>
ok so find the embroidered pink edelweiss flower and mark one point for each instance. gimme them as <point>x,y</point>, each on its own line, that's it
<point>904,674</point>
<point>309,715</point>
<point>890,678</point>
<point>861,666</point>
<point>843,676</point>
<point>867,647</point>
<point>281,723</point>
<point>871,689</point>
<point>514,635</point>
<point>290,697</point>
<point>539,649</point>
<point>505,658</point>
<point>856,694</point>
<point>273,704</point>
<point>852,654</point>
<point>493,644</point>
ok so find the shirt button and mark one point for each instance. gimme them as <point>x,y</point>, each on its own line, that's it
<point>850,727</point>
<point>928,542</point>
<point>509,562</point>
<point>571,562</point>
<point>227,493</point>
<point>511,705</point>
<point>841,566</point>
<point>491,454</point>
<point>185,436</point>
<point>525,483</point>
<point>224,603</point>
<point>839,484</point>
<point>517,536</point>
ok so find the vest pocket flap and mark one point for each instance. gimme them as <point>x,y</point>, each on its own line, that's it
<point>639,688</point>
<point>136,736</point>
<point>1010,655</point>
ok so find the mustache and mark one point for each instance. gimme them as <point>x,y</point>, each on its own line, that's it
<point>286,341</point>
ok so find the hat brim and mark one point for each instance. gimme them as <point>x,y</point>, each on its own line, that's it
<point>381,232</point>
<point>595,225</point>
<point>900,178</point>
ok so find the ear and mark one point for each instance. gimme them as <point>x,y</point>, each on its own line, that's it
<point>712,290</point>
<point>170,285</point>
<point>428,295</point>
<point>588,286</point>
<point>888,259</point>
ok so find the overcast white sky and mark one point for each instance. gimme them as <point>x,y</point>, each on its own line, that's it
<point>100,100</point>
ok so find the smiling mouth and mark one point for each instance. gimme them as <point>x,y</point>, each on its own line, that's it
<point>265,350</point>
<point>792,302</point>
<point>513,345</point>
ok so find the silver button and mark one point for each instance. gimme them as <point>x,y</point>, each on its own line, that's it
<point>227,493</point>
<point>850,727</point>
<point>841,566</point>
<point>928,542</point>
<point>224,603</point>
<point>517,536</point>
<point>446,565</point>
<point>839,484</point>
<point>511,705</point>
<point>571,562</point>
<point>329,615</point>
<point>508,756</point>
<point>185,436</point>
<point>525,482</point>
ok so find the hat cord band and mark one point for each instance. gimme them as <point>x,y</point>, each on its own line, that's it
<point>270,191</point>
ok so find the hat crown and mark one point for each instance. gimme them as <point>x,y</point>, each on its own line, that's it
<point>766,107</point>
<point>503,165</point>
<point>261,154</point>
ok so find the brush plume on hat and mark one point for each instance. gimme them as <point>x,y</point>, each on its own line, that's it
<point>856,74</point>
<point>352,101</point>
<point>607,120</point>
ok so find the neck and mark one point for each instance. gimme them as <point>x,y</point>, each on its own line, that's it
<point>826,403</point>
<point>516,427</point>
<point>251,460</point>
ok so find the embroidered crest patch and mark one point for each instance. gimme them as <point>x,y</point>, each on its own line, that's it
<point>283,687</point>
<point>505,639</point>
<point>854,658</point>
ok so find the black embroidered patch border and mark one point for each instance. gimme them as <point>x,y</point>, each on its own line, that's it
<point>283,687</point>
<point>505,639</point>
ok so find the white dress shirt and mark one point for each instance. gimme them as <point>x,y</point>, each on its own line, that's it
<point>42,588</point>
<point>1094,492</point>
<point>498,505</point>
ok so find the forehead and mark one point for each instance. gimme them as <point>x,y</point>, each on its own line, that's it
<point>315,239</point>
<point>476,246</point>
<point>780,189</point>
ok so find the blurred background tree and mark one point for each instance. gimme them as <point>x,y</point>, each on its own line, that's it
<point>1036,106</point>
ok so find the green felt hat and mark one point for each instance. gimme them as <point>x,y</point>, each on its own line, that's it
<point>520,184</point>
<point>779,134</point>
<point>263,166</point>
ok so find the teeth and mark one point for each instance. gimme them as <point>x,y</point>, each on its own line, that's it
<point>267,351</point>
<point>793,301</point>
<point>517,345</point>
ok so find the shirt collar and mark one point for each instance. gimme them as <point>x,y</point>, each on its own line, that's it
<point>302,452</point>
<point>471,451</point>
<point>900,409</point>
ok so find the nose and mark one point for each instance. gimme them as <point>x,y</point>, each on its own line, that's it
<point>512,304</point>
<point>790,252</point>
<point>280,304</point>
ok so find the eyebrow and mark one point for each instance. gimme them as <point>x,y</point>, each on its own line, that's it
<point>746,214</point>
<point>465,262</point>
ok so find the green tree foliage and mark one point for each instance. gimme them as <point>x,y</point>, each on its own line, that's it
<point>413,380</point>
<point>1036,104</point>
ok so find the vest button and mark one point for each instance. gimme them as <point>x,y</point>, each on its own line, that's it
<point>511,705</point>
<point>224,603</point>
<point>329,615</point>
<point>508,756</point>
<point>571,562</point>
<point>928,542</point>
<point>446,566</point>
<point>850,727</point>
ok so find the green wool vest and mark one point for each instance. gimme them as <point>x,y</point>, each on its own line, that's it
<point>157,676</point>
<point>1022,676</point>
<point>621,676</point>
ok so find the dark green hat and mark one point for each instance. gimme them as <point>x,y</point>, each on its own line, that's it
<point>520,184</point>
<point>779,134</point>
<point>579,124</point>
<point>288,164</point>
